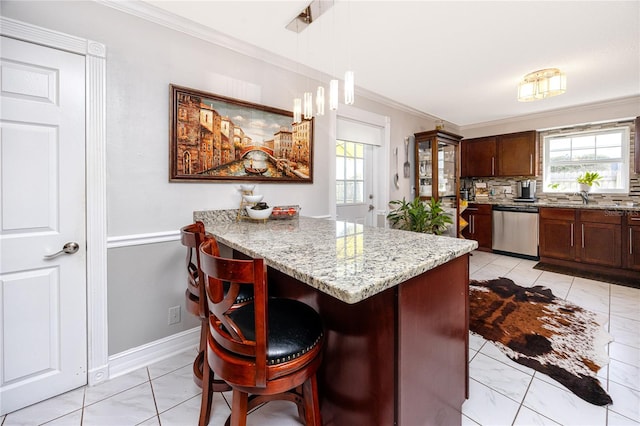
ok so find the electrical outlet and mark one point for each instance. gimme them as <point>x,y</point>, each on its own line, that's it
<point>506,190</point>
<point>174,315</point>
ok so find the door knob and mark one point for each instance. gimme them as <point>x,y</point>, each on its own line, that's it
<point>371,207</point>
<point>68,248</point>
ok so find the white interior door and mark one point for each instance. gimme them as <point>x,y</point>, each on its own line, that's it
<point>43,331</point>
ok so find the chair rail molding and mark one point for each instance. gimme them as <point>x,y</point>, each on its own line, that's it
<point>142,239</point>
<point>96,187</point>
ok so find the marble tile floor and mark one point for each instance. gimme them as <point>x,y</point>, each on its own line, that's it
<point>501,391</point>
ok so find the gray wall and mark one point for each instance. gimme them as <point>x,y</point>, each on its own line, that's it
<point>144,281</point>
<point>143,58</point>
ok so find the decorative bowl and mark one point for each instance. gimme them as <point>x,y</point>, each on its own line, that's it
<point>253,198</point>
<point>259,214</point>
<point>247,187</point>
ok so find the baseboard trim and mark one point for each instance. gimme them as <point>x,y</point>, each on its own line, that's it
<point>141,356</point>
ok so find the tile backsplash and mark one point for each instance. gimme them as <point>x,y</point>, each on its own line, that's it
<point>497,183</point>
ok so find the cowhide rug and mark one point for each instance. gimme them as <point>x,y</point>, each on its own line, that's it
<point>538,330</point>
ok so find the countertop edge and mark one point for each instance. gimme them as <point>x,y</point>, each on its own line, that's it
<point>557,205</point>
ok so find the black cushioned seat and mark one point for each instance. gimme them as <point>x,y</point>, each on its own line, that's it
<point>244,295</point>
<point>294,328</point>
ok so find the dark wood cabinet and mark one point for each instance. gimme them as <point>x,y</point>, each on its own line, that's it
<point>599,238</point>
<point>478,157</point>
<point>586,236</point>
<point>437,171</point>
<point>518,154</point>
<point>631,247</point>
<point>556,233</point>
<point>479,225</point>
<point>513,154</point>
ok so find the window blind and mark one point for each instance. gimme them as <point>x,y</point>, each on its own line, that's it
<point>348,129</point>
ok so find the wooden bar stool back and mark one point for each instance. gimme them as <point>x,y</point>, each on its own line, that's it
<point>191,237</point>
<point>265,350</point>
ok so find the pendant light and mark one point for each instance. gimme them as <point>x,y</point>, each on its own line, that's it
<point>349,76</point>
<point>333,95</point>
<point>307,106</point>
<point>349,88</point>
<point>297,110</point>
<point>303,107</point>
<point>320,101</point>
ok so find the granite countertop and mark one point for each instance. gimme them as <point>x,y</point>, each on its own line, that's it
<point>350,262</point>
<point>560,204</point>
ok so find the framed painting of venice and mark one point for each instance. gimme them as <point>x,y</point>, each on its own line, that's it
<point>215,138</point>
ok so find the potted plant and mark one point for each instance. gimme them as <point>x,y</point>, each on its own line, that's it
<point>417,216</point>
<point>588,179</point>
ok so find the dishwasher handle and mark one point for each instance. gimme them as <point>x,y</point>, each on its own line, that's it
<point>516,209</point>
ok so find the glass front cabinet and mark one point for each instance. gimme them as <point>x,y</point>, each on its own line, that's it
<point>437,171</point>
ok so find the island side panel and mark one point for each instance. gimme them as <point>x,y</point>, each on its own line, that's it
<point>357,378</point>
<point>433,337</point>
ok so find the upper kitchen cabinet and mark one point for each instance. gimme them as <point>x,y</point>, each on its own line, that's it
<point>513,154</point>
<point>518,154</point>
<point>478,157</point>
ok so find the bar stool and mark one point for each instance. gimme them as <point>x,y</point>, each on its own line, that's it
<point>268,349</point>
<point>195,300</point>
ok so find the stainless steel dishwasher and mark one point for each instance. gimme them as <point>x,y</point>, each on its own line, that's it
<point>515,231</point>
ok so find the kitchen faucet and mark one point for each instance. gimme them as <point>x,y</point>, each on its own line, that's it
<point>585,196</point>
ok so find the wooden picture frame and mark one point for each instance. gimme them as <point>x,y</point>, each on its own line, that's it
<point>216,138</point>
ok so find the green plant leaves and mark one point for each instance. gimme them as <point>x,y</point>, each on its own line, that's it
<point>590,178</point>
<point>418,216</point>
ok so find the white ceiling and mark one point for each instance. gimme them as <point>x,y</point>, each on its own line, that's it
<point>456,60</point>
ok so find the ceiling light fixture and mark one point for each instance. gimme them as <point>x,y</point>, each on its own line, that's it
<point>308,15</point>
<point>303,108</point>
<point>297,110</point>
<point>349,88</point>
<point>333,95</point>
<point>307,106</point>
<point>320,101</point>
<point>542,84</point>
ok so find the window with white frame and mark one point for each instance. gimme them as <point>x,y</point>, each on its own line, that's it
<point>349,172</point>
<point>569,155</point>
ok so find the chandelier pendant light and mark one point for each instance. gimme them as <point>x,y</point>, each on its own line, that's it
<point>320,101</point>
<point>542,84</point>
<point>349,88</point>
<point>297,110</point>
<point>303,107</point>
<point>307,106</point>
<point>333,95</point>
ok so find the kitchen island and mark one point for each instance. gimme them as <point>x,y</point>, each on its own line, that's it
<point>395,311</point>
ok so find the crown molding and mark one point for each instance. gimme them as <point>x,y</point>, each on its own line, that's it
<point>169,20</point>
<point>631,102</point>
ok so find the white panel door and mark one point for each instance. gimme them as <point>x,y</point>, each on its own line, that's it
<point>43,331</point>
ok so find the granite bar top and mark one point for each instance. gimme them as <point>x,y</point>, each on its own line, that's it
<point>347,261</point>
<point>561,204</point>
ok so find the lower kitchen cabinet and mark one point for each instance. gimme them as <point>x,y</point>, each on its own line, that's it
<point>479,228</point>
<point>587,236</point>
<point>556,233</point>
<point>632,246</point>
<point>600,238</point>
